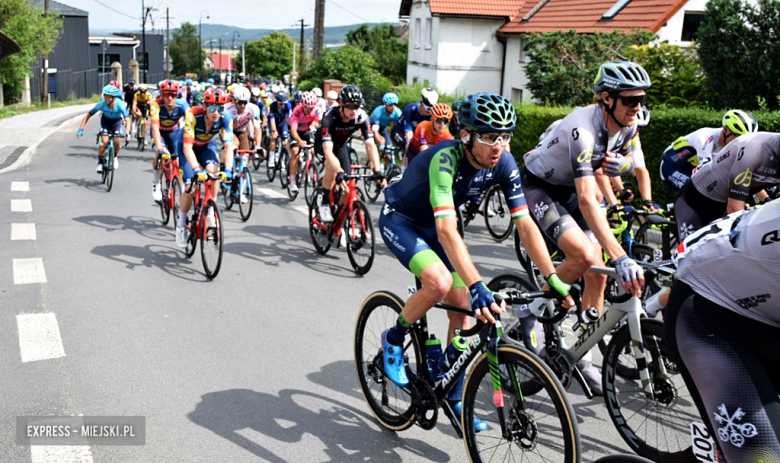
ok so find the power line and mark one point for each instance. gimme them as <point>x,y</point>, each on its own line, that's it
<point>114,10</point>
<point>353,14</point>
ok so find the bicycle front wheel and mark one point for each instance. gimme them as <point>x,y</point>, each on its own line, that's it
<point>284,167</point>
<point>174,195</point>
<point>360,239</point>
<point>309,181</point>
<point>245,190</point>
<point>108,169</point>
<point>165,207</point>
<point>390,404</point>
<point>270,170</point>
<point>227,193</point>
<point>211,240</point>
<point>320,232</point>
<point>498,219</point>
<point>541,426</point>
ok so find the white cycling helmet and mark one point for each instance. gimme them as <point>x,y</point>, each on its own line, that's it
<point>317,91</point>
<point>275,89</point>
<point>241,93</point>
<point>256,91</point>
<point>333,95</point>
<point>643,117</point>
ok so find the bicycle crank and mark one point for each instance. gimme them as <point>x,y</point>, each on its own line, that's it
<point>426,410</point>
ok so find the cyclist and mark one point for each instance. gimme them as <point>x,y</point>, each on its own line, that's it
<point>333,98</point>
<point>724,316</point>
<point>116,84</point>
<point>113,113</point>
<point>141,104</point>
<point>199,146</point>
<point>197,99</point>
<point>381,118</point>
<point>321,102</point>
<point>129,91</point>
<point>167,114</point>
<point>431,132</point>
<point>687,152</point>
<point>305,117</point>
<point>419,225</point>
<point>413,114</point>
<point>330,141</point>
<point>246,122</point>
<point>278,114</point>
<point>259,101</point>
<point>454,124</point>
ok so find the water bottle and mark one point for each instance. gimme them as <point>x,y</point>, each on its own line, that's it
<point>589,316</point>
<point>456,347</point>
<point>433,352</point>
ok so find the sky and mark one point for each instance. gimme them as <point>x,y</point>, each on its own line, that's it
<point>270,14</point>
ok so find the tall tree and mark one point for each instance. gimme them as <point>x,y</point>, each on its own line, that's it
<point>185,50</point>
<point>384,46</point>
<point>33,32</point>
<point>271,56</point>
<point>347,64</point>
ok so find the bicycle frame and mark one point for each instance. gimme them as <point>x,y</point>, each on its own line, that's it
<point>198,202</point>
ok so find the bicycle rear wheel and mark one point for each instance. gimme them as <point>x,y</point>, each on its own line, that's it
<point>108,169</point>
<point>390,404</point>
<point>310,175</point>
<point>360,239</point>
<point>193,225</point>
<point>542,425</point>
<point>227,189</point>
<point>211,240</point>
<point>165,207</point>
<point>372,188</point>
<point>284,167</point>
<point>498,219</point>
<point>320,233</point>
<point>174,195</point>
<point>245,189</point>
<point>658,428</point>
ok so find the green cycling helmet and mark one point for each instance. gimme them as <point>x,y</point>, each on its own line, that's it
<point>617,76</point>
<point>487,112</point>
<point>740,122</point>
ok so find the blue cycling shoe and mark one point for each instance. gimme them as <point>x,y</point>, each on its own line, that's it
<point>394,362</point>
<point>479,425</point>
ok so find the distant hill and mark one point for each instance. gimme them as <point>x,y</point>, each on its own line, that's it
<point>333,35</point>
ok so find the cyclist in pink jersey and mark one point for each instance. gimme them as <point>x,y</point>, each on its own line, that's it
<point>304,117</point>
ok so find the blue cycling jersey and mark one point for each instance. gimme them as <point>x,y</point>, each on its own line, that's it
<point>382,118</point>
<point>410,118</point>
<point>119,111</point>
<point>279,112</point>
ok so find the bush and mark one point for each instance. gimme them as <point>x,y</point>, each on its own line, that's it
<point>347,64</point>
<point>676,73</point>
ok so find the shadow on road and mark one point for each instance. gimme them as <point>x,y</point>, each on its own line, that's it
<point>168,259</point>
<point>90,184</point>
<point>144,226</point>
<point>258,421</point>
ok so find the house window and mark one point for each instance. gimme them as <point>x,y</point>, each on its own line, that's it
<point>517,95</point>
<point>105,66</point>
<point>428,32</point>
<point>417,27</point>
<point>691,23</point>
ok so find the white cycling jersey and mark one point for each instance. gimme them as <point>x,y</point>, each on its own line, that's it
<point>703,141</point>
<point>240,121</point>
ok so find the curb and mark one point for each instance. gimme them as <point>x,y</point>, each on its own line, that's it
<point>26,155</point>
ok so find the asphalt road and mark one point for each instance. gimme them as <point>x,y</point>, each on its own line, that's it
<point>256,365</point>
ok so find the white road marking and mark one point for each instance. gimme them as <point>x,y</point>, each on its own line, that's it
<point>27,271</point>
<point>21,205</point>
<point>20,186</point>
<point>23,231</point>
<point>61,454</point>
<point>302,208</point>
<point>39,337</point>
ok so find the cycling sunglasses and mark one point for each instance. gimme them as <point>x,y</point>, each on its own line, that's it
<point>442,120</point>
<point>632,101</point>
<point>215,108</point>
<point>426,107</point>
<point>352,106</point>
<point>240,103</point>
<point>492,138</point>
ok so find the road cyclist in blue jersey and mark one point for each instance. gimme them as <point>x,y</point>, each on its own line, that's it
<point>381,118</point>
<point>419,225</point>
<point>113,115</point>
<point>413,114</point>
<point>278,118</point>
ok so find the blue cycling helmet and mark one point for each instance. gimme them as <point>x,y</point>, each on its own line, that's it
<point>297,96</point>
<point>281,96</point>
<point>487,112</point>
<point>390,98</point>
<point>211,81</point>
<point>189,82</point>
<point>111,90</point>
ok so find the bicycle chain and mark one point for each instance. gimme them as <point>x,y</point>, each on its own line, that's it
<point>424,400</point>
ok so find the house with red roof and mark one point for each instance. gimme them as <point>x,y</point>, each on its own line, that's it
<point>464,47</point>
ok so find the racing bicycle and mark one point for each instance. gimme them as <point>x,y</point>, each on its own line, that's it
<point>204,224</point>
<point>240,188</point>
<point>170,187</point>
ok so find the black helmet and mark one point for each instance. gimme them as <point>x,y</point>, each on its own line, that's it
<point>351,94</point>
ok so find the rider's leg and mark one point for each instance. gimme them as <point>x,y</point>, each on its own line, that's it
<point>581,253</point>
<point>294,161</point>
<point>102,146</point>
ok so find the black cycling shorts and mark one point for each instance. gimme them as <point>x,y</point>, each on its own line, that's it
<point>732,370</point>
<point>341,152</point>
<point>305,135</point>
<point>693,210</point>
<point>554,208</point>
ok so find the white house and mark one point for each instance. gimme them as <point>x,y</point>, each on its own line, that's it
<point>479,46</point>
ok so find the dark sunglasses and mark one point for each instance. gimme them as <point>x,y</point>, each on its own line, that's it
<point>632,101</point>
<point>215,108</point>
<point>352,106</point>
<point>240,103</point>
<point>442,120</point>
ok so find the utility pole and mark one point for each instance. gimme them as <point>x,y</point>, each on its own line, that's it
<point>319,28</point>
<point>302,57</point>
<point>168,63</point>
<point>145,11</point>
<point>220,60</point>
<point>200,44</point>
<point>45,64</point>
<point>243,58</point>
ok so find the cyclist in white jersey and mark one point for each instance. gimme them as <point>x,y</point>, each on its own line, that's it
<point>723,321</point>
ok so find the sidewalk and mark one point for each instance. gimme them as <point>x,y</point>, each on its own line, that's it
<point>20,135</point>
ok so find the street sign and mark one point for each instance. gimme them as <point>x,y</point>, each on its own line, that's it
<point>104,44</point>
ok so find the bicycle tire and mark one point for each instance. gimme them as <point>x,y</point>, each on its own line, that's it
<point>309,181</point>
<point>257,159</point>
<point>500,225</point>
<point>192,238</point>
<point>390,404</point>
<point>320,237</point>
<point>141,134</point>
<point>667,407</point>
<point>104,173</point>
<point>247,190</point>
<point>175,197</point>
<point>372,189</point>
<point>353,157</point>
<point>270,170</point>
<point>109,167</point>
<point>165,209</point>
<point>622,459</point>
<point>523,284</point>
<point>530,418</point>
<point>227,193</point>
<point>363,238</point>
<point>284,167</point>
<point>211,241</point>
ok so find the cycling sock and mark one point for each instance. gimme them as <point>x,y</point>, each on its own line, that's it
<point>292,179</point>
<point>157,176</point>
<point>397,333</point>
<point>327,197</point>
<point>182,219</point>
<point>653,304</point>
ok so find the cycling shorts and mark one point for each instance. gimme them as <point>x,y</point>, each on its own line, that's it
<point>415,246</point>
<point>554,208</point>
<point>144,110</point>
<point>693,210</point>
<point>172,141</point>
<point>398,136</point>
<point>341,152</point>
<point>283,130</point>
<point>206,155</point>
<point>730,365</point>
<point>305,135</point>
<point>243,140</point>
<point>110,126</point>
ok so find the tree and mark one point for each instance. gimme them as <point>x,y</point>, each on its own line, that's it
<point>562,65</point>
<point>33,32</point>
<point>382,43</point>
<point>271,56</point>
<point>185,49</point>
<point>347,64</point>
<point>739,45</point>
<point>675,72</point>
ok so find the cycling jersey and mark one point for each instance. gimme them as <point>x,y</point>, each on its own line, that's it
<point>194,132</point>
<point>165,120</point>
<point>743,167</point>
<point>733,260</point>
<point>279,112</point>
<point>577,147</point>
<point>241,121</point>
<point>142,100</point>
<point>442,179</point>
<point>322,103</point>
<point>129,93</point>
<point>424,136</point>
<point>681,157</point>
<point>381,119</point>
<point>119,111</point>
<point>301,122</point>
<point>334,131</point>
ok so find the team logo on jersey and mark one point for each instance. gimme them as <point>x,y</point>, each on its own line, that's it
<point>744,178</point>
<point>514,174</point>
<point>753,301</point>
<point>732,431</point>
<point>324,132</point>
<point>585,156</point>
<point>539,210</point>
<point>770,238</point>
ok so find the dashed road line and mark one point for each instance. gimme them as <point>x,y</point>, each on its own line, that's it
<point>39,337</point>
<point>29,271</point>
<point>302,208</point>
<point>23,231</point>
<point>20,186</point>
<point>61,454</point>
<point>21,205</point>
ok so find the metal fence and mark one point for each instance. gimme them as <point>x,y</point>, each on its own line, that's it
<point>66,84</point>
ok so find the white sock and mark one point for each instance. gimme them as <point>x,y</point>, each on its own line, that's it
<point>292,180</point>
<point>182,219</point>
<point>157,175</point>
<point>653,304</point>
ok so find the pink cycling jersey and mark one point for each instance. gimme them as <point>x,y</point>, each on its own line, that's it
<point>300,121</point>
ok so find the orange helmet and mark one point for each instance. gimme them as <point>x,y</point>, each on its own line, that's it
<point>440,110</point>
<point>215,96</point>
<point>169,86</point>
